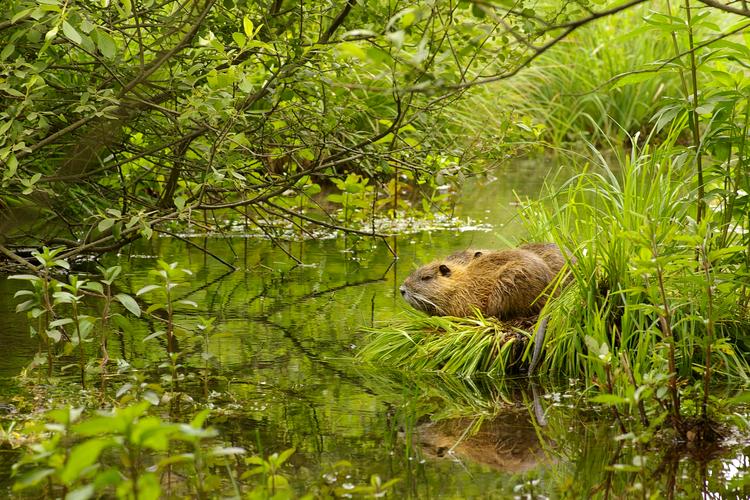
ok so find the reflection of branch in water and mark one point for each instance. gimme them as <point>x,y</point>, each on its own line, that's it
<point>203,249</point>
<point>312,356</point>
<point>203,286</point>
<point>279,305</point>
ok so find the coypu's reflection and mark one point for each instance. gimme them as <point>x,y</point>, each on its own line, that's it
<point>507,442</point>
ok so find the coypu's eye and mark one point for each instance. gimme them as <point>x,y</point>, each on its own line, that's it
<point>445,270</point>
<point>477,254</point>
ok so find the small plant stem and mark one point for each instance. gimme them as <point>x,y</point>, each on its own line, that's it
<point>45,340</point>
<point>693,112</point>
<point>105,354</point>
<point>665,321</point>
<point>677,52</point>
<point>81,361</point>
<point>641,408</point>
<point>611,389</point>
<point>694,116</point>
<point>133,470</point>
<point>739,175</point>
<point>205,363</point>
<point>200,480</point>
<point>170,333</point>
<point>709,334</point>
<point>48,316</point>
<point>169,321</point>
<point>730,188</point>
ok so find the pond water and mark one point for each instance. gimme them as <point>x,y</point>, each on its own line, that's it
<point>283,373</point>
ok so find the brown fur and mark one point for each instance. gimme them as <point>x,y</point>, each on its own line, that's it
<point>505,284</point>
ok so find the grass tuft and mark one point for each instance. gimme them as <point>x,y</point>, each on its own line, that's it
<point>456,346</point>
<point>647,276</point>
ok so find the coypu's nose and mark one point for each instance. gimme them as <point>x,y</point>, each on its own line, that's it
<point>402,290</point>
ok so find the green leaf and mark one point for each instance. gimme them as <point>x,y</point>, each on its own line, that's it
<point>743,398</point>
<point>200,418</point>
<point>127,7</point>
<point>21,15</point>
<point>83,493</point>
<point>129,303</point>
<point>87,26</point>
<point>277,481</point>
<point>70,32</point>
<point>94,286</point>
<point>153,335</point>
<point>284,456</point>
<point>106,44</point>
<point>151,397</point>
<point>146,289</point>
<point>179,202</point>
<point>105,224</point>
<point>99,426</point>
<point>51,34</point>
<point>32,479</point>
<point>239,39</point>
<point>7,51</point>
<point>27,277</point>
<point>608,399</point>
<point>408,19</point>
<point>60,322</point>
<point>55,335</point>
<point>248,28</point>
<point>81,457</point>
<point>352,49</point>
<point>152,433</point>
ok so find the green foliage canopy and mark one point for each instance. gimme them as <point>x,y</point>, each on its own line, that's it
<point>118,116</point>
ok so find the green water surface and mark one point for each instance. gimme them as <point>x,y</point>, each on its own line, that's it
<point>283,372</point>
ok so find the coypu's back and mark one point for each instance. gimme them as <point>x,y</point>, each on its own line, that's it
<point>549,252</point>
<point>505,284</point>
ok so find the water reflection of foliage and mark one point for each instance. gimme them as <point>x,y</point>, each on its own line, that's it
<point>561,447</point>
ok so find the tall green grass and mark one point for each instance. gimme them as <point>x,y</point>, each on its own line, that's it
<point>570,93</point>
<point>649,284</point>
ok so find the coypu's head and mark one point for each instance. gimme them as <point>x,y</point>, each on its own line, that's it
<point>426,289</point>
<point>430,288</point>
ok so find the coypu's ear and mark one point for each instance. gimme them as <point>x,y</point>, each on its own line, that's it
<point>477,254</point>
<point>445,270</point>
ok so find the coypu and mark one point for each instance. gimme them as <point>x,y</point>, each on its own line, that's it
<point>505,284</point>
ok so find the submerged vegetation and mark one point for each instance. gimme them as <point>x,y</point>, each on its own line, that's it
<point>121,121</point>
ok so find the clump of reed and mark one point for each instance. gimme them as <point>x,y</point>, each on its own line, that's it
<point>456,346</point>
<point>650,283</point>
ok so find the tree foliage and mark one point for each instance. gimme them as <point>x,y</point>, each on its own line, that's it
<point>120,117</point>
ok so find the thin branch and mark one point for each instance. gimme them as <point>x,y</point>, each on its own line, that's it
<point>338,21</point>
<point>167,55</point>
<point>726,8</point>
<point>195,245</point>
<point>323,223</point>
<point>17,258</point>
